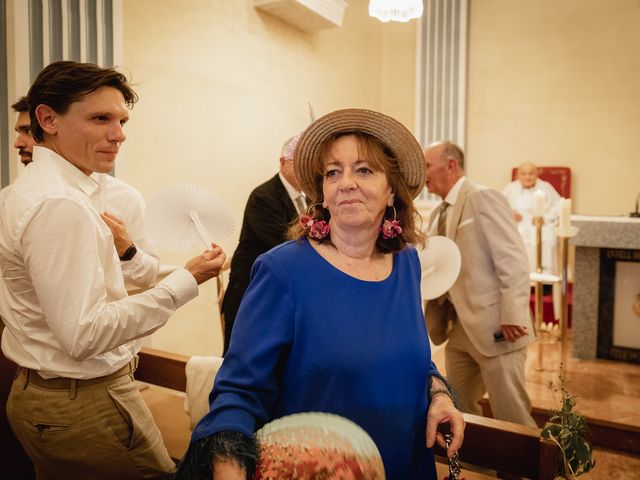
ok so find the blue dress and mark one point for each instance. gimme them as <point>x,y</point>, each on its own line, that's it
<point>309,337</point>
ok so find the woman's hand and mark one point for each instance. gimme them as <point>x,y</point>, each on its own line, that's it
<point>228,470</point>
<point>442,410</point>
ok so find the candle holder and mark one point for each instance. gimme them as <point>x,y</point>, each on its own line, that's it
<point>538,221</point>
<point>564,233</point>
<point>543,334</point>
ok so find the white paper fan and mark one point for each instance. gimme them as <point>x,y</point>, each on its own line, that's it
<point>184,215</point>
<point>314,445</point>
<point>440,262</point>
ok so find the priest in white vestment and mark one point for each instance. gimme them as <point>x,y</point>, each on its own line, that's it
<point>526,194</point>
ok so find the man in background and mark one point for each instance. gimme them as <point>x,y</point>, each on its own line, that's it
<point>69,323</point>
<point>521,194</point>
<point>485,315</point>
<point>24,141</point>
<point>270,210</point>
<point>12,456</point>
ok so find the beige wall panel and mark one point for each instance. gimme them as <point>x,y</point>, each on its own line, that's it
<point>399,72</point>
<point>222,86</point>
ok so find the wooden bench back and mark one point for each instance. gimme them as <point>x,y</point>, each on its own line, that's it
<point>508,448</point>
<point>162,368</point>
<point>488,443</point>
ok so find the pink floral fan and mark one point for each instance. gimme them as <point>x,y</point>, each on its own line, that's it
<point>313,445</point>
<point>184,215</point>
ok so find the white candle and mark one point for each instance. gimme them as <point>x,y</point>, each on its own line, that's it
<point>538,203</point>
<point>565,213</point>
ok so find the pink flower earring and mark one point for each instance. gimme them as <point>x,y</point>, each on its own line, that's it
<point>315,228</point>
<point>391,228</point>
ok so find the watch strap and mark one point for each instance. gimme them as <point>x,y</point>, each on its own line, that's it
<point>129,253</point>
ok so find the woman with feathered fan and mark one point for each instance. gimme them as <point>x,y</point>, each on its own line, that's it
<point>332,320</point>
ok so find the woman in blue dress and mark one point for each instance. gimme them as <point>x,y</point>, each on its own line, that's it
<point>332,320</point>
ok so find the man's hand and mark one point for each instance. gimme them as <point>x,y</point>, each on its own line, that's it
<point>517,216</point>
<point>513,332</point>
<point>206,265</point>
<point>119,231</point>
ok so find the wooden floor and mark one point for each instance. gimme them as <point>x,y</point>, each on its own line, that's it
<point>605,390</point>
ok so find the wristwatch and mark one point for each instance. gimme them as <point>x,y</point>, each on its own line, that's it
<point>129,253</point>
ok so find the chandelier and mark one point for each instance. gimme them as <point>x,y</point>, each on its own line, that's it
<point>395,10</point>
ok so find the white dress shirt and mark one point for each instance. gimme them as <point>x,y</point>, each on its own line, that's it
<point>451,199</point>
<point>523,200</point>
<point>294,195</point>
<point>63,297</point>
<point>125,202</point>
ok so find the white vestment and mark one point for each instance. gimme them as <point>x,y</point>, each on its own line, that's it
<point>522,200</point>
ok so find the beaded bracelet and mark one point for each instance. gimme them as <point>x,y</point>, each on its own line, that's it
<point>440,390</point>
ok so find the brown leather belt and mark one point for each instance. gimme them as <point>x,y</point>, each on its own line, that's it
<point>64,383</point>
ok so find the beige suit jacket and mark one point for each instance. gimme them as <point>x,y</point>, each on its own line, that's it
<point>493,286</point>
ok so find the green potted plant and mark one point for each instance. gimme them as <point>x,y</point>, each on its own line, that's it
<point>568,429</point>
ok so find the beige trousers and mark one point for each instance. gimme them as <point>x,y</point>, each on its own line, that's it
<point>472,374</point>
<point>99,429</point>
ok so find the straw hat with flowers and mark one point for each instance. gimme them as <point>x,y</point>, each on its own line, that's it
<point>389,131</point>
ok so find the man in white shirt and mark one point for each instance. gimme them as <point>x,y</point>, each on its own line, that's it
<point>70,325</point>
<point>121,206</point>
<point>521,194</point>
<point>24,141</point>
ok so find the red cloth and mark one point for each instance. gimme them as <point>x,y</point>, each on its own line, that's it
<point>547,306</point>
<point>559,177</point>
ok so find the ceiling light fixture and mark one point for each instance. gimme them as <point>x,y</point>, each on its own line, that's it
<point>395,10</point>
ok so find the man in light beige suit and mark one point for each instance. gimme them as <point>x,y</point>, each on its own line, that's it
<point>485,315</point>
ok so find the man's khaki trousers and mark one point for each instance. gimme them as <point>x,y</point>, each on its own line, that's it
<point>87,429</point>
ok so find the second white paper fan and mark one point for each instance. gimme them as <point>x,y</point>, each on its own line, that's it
<point>184,215</point>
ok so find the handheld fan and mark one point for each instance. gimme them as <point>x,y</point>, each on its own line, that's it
<point>314,445</point>
<point>184,215</point>
<point>440,262</point>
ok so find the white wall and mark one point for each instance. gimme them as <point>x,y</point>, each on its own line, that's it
<point>557,83</point>
<point>223,85</point>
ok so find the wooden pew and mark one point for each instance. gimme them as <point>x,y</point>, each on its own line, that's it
<point>165,372</point>
<point>614,436</point>
<point>162,368</point>
<point>489,443</point>
<point>506,447</point>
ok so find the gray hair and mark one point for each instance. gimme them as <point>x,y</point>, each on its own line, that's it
<point>451,150</point>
